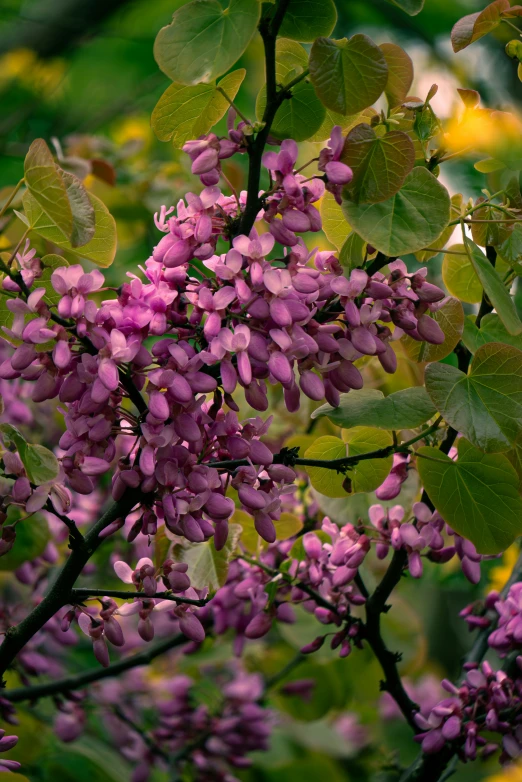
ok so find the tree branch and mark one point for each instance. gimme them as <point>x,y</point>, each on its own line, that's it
<point>71,683</point>
<point>431,768</point>
<point>269,28</point>
<point>79,594</point>
<point>60,591</point>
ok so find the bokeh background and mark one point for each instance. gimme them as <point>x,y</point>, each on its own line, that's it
<point>81,74</point>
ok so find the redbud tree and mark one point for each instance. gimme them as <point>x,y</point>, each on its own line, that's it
<point>170,528</point>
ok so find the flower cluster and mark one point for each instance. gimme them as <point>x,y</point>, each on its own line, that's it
<point>253,321</point>
<point>487,701</point>
<point>208,738</point>
<point>426,535</point>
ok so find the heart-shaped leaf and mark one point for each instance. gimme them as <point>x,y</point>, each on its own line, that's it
<point>348,75</point>
<point>400,73</point>
<point>367,475</point>
<point>301,115</point>
<point>326,481</point>
<point>380,164</point>
<point>306,20</point>
<point>206,566</point>
<point>101,249</point>
<point>491,330</point>
<point>474,26</point>
<point>204,40</point>
<point>477,494</point>
<point>186,112</point>
<point>486,404</point>
<point>45,183</point>
<point>408,221</point>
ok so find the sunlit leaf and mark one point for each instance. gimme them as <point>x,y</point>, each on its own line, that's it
<point>335,226</point>
<point>206,566</point>
<point>459,275</point>
<point>368,474</point>
<point>102,247</point>
<point>41,465</point>
<point>187,112</point>
<point>204,40</point>
<point>327,481</point>
<point>46,184</point>
<point>450,318</point>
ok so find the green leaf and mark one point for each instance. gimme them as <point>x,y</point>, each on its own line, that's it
<point>367,475</point>
<point>32,536</point>
<point>351,254</point>
<point>440,242</point>
<point>477,494</point>
<point>84,219</point>
<point>287,526</point>
<point>406,222</point>
<point>187,112</point>
<point>404,409</point>
<point>380,164</point>
<point>400,74</point>
<point>300,116</point>
<point>490,233</point>
<point>335,226</point>
<point>45,182</point>
<point>450,318</point>
<point>102,247</point>
<point>206,566</point>
<point>41,465</point>
<point>474,26</point>
<point>328,482</point>
<point>494,288</point>
<point>411,7</point>
<point>306,20</point>
<point>459,275</point>
<point>348,75</point>
<point>486,404</point>
<point>491,330</point>
<point>203,41</point>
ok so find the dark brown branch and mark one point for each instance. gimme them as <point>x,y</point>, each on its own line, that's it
<point>72,683</point>
<point>60,590</point>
